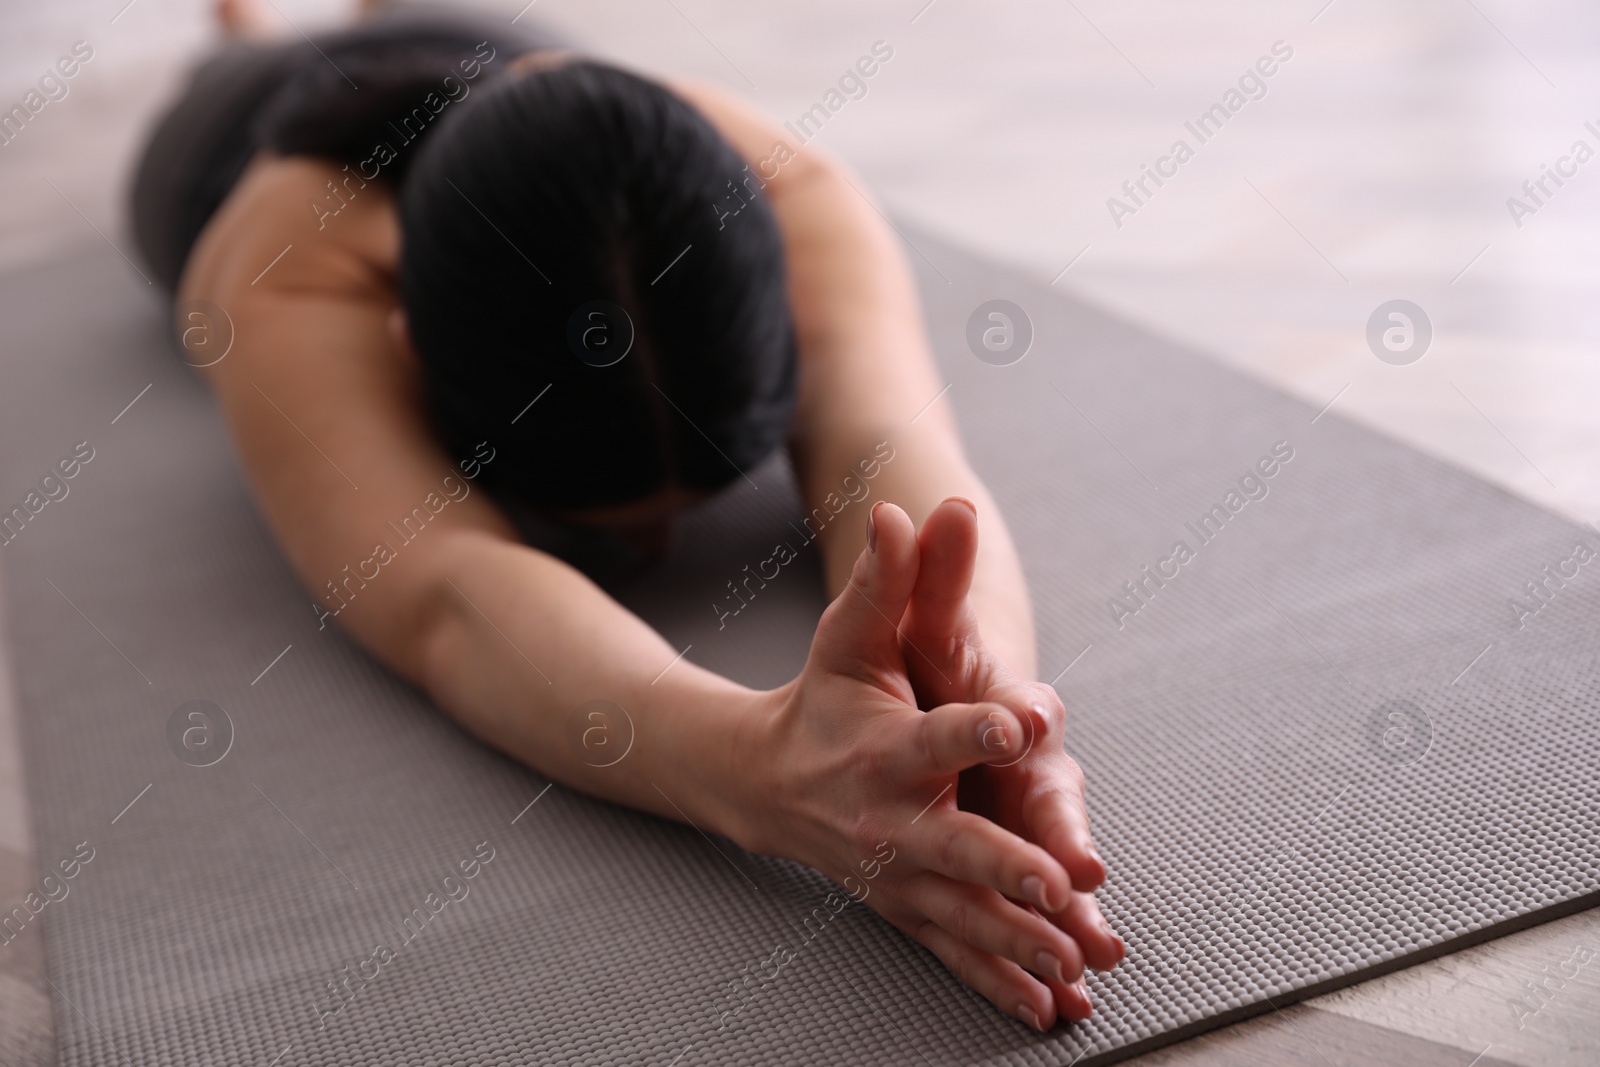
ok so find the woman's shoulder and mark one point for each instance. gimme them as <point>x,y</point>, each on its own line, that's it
<point>297,222</point>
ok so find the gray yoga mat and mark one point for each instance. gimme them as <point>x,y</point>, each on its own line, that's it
<point>1321,749</point>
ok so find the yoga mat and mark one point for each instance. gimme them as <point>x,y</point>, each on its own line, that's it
<point>1319,749</point>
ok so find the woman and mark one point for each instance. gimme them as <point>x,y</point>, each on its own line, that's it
<point>445,251</point>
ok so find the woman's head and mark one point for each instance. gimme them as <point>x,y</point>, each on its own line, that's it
<point>558,220</point>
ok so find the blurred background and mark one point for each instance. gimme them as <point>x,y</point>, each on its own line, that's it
<point>1377,166</point>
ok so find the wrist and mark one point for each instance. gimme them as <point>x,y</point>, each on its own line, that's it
<point>708,768</point>
<point>746,771</point>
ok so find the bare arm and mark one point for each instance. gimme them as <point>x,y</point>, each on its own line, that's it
<point>967,633</point>
<point>867,369</point>
<point>326,412</point>
<point>828,769</point>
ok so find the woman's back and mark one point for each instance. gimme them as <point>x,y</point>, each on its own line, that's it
<point>336,97</point>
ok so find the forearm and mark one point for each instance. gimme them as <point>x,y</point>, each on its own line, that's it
<point>866,370</point>
<point>871,378</point>
<point>518,645</point>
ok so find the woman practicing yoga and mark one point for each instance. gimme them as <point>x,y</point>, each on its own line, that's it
<point>449,252</point>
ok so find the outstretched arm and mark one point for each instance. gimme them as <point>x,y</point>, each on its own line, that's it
<point>327,416</point>
<point>966,632</point>
<point>866,368</point>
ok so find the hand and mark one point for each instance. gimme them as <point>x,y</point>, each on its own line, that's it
<point>1039,796</point>
<point>843,770</point>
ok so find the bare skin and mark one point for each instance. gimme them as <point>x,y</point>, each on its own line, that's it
<point>993,866</point>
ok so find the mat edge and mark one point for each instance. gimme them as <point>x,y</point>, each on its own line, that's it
<point>1244,1012</point>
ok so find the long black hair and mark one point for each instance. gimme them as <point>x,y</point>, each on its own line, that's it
<point>556,217</point>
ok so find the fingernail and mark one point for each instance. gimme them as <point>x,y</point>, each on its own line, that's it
<point>1050,966</point>
<point>1041,726</point>
<point>1029,1016</point>
<point>992,732</point>
<point>872,529</point>
<point>963,500</point>
<point>1033,889</point>
<point>1085,1005</point>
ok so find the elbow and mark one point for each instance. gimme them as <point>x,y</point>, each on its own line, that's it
<point>428,658</point>
<point>433,645</point>
<point>408,633</point>
<point>436,635</point>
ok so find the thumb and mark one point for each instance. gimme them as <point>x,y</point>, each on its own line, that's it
<point>861,626</point>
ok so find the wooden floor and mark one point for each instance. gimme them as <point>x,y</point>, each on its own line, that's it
<point>27,1032</point>
<point>1377,165</point>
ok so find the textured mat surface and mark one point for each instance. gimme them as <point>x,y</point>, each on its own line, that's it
<point>1320,747</point>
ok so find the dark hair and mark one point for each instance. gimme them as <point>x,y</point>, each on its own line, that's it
<point>582,183</point>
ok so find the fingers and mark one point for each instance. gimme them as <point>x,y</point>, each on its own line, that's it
<point>1054,813</point>
<point>1081,920</point>
<point>990,923</point>
<point>1000,981</point>
<point>953,737</point>
<point>970,848</point>
<point>1058,820</point>
<point>992,944</point>
<point>861,625</point>
<point>1072,1000</point>
<point>948,545</point>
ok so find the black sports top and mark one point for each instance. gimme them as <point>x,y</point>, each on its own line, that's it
<point>361,97</point>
